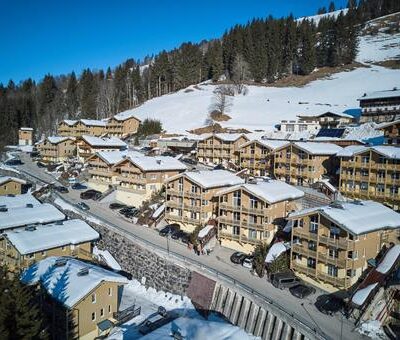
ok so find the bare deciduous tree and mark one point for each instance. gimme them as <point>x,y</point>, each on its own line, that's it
<point>241,73</point>
<point>221,101</point>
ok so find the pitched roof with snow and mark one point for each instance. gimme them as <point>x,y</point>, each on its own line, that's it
<point>64,282</point>
<point>58,139</point>
<point>362,295</point>
<point>385,125</point>
<point>104,141</point>
<point>392,255</point>
<point>357,217</point>
<point>125,115</point>
<point>329,113</point>
<point>49,236</point>
<point>115,156</point>
<point>213,178</point>
<point>318,148</point>
<point>158,163</point>
<point>22,216</point>
<point>5,179</point>
<point>26,129</point>
<point>18,201</point>
<point>227,137</point>
<point>93,122</point>
<point>388,151</point>
<point>271,144</point>
<point>70,122</point>
<point>381,94</point>
<point>271,191</point>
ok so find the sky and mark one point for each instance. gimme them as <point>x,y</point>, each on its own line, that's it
<point>57,37</point>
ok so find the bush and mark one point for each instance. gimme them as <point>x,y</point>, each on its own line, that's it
<point>149,127</point>
<point>260,252</point>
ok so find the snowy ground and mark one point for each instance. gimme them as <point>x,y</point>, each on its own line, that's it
<point>66,206</point>
<point>190,324</point>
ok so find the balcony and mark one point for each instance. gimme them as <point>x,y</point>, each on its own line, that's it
<point>339,262</point>
<point>132,190</point>
<point>183,219</point>
<point>304,251</point>
<point>304,233</point>
<point>173,204</point>
<point>340,242</point>
<point>317,274</point>
<point>229,221</point>
<point>239,238</point>
<point>131,179</point>
<point>189,207</point>
<point>230,207</point>
<point>101,172</point>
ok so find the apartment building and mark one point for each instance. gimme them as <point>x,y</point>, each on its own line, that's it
<point>371,173</point>
<point>76,294</point>
<point>220,148</point>
<point>122,124</point>
<point>88,145</point>
<point>22,247</point>
<point>57,149</point>
<point>140,177</point>
<point>328,119</point>
<point>191,196</point>
<point>299,125</point>
<point>25,136</point>
<point>11,185</point>
<point>250,213</point>
<point>391,132</point>
<point>332,244</point>
<point>304,163</point>
<point>380,106</point>
<point>257,156</point>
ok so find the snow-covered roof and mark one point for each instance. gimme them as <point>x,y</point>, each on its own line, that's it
<point>357,217</point>
<point>58,139</point>
<point>115,156</point>
<point>22,216</point>
<point>362,294</point>
<point>125,115</point>
<point>70,122</point>
<point>93,122</point>
<point>272,144</point>
<point>5,179</point>
<point>104,141</point>
<point>49,236</point>
<point>227,137</point>
<point>274,252</point>
<point>158,163</point>
<point>204,232</point>
<point>18,200</point>
<point>328,113</point>
<point>272,191</point>
<point>318,148</point>
<point>106,256</point>
<point>385,125</point>
<point>213,178</point>
<point>159,211</point>
<point>388,151</point>
<point>395,92</point>
<point>64,283</point>
<point>389,260</point>
<point>26,129</point>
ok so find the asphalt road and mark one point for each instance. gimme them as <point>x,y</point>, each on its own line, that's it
<point>334,326</point>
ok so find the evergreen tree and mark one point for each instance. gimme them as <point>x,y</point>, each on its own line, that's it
<point>88,94</point>
<point>72,97</point>
<point>332,7</point>
<point>307,58</point>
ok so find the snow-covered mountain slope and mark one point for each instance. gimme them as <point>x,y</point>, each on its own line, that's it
<point>318,17</point>
<point>263,107</point>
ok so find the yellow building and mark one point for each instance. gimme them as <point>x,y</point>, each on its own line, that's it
<point>332,244</point>
<point>122,125</point>
<point>391,132</point>
<point>11,186</point>
<point>328,119</point>
<point>304,163</point>
<point>25,136</point>
<point>82,295</point>
<point>139,177</point>
<point>190,196</point>
<point>257,156</point>
<point>371,173</point>
<point>56,149</point>
<point>88,145</point>
<point>22,247</point>
<point>250,213</point>
<point>221,148</point>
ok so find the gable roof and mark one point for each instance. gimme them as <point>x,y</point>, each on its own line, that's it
<point>5,179</point>
<point>114,156</point>
<point>122,116</point>
<point>93,122</point>
<point>158,163</point>
<point>70,122</point>
<point>272,144</point>
<point>63,282</point>
<point>212,178</point>
<point>49,236</point>
<point>357,217</point>
<point>388,151</point>
<point>385,125</point>
<point>227,137</point>
<point>328,113</point>
<point>104,141</point>
<point>18,201</point>
<point>58,139</point>
<point>271,191</point>
<point>381,94</point>
<point>314,148</point>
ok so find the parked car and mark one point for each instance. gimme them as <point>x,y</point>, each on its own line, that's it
<point>329,304</point>
<point>284,280</point>
<point>34,154</point>
<point>90,194</point>
<point>219,167</point>
<point>248,262</point>
<point>114,206</point>
<point>176,234</point>
<point>180,235</point>
<point>238,257</point>
<point>61,189</point>
<point>132,213</point>
<point>78,186</point>
<point>169,229</point>
<point>14,161</point>
<point>185,237</point>
<point>301,291</point>
<point>127,210</point>
<point>41,165</point>
<point>189,161</point>
<point>83,206</point>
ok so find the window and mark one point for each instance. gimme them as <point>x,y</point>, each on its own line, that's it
<point>364,172</point>
<point>252,233</point>
<point>30,256</point>
<point>266,234</point>
<point>109,308</point>
<point>110,291</point>
<point>43,253</point>
<point>333,253</point>
<point>204,202</point>
<point>364,186</point>
<point>194,189</point>
<point>224,198</point>
<point>253,202</point>
<point>93,298</point>
<point>102,312</point>
<point>353,255</point>
<point>312,245</point>
<point>94,316</point>
<point>236,198</point>
<point>236,216</point>
<point>334,231</point>
<point>350,272</point>
<point>365,159</point>
<point>314,224</point>
<point>252,218</point>
<point>236,230</point>
<point>332,270</point>
<point>380,188</point>
<point>311,262</point>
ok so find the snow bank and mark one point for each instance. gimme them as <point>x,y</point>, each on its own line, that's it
<point>273,252</point>
<point>107,257</point>
<point>361,295</point>
<point>372,329</point>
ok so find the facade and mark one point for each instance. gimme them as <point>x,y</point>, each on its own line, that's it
<point>257,156</point>
<point>22,247</point>
<point>67,128</point>
<point>332,244</point>
<point>11,186</point>
<point>299,126</point>
<point>25,136</point>
<point>190,196</point>
<point>304,163</point>
<point>380,106</point>
<point>220,148</point>
<point>250,213</point>
<point>391,132</point>
<point>328,119</point>
<point>56,149</point>
<point>88,145</point>
<point>89,300</point>
<point>121,126</point>
<point>139,177</point>
<point>371,173</point>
